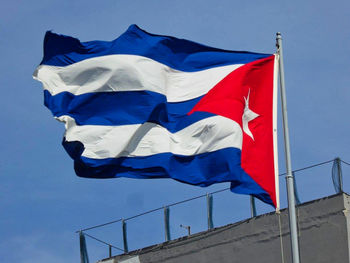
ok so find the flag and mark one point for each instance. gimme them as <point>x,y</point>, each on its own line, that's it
<point>153,106</point>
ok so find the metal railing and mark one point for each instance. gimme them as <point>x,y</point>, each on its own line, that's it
<point>337,178</point>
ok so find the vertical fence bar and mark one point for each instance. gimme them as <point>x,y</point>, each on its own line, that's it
<point>340,176</point>
<point>166,223</point>
<point>210,211</point>
<point>337,176</point>
<point>125,237</point>
<point>84,258</point>
<point>252,206</point>
<point>296,194</point>
<point>109,251</point>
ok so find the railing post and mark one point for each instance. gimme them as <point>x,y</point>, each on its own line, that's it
<point>110,251</point>
<point>296,195</point>
<point>210,211</point>
<point>125,238</point>
<point>84,258</point>
<point>166,223</point>
<point>252,206</point>
<point>337,175</point>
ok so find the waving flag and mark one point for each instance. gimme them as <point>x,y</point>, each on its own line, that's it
<point>151,106</point>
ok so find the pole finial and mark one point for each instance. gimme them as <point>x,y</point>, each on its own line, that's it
<point>278,35</point>
<point>278,40</point>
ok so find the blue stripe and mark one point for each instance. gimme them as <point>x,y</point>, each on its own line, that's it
<point>203,169</point>
<point>180,54</point>
<point>123,108</point>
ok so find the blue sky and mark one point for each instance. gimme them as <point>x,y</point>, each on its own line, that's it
<point>42,202</point>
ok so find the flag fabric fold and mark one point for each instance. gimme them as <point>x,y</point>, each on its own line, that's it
<point>152,106</point>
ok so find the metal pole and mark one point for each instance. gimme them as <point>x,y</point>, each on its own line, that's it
<point>340,176</point>
<point>110,251</point>
<point>210,211</point>
<point>252,206</point>
<point>84,258</point>
<point>296,195</point>
<point>125,237</point>
<point>166,224</point>
<point>289,176</point>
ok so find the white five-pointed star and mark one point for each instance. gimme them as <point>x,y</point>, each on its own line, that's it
<point>248,115</point>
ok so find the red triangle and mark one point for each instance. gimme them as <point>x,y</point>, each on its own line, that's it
<point>227,99</point>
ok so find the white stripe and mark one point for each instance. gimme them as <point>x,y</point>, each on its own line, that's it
<point>147,139</point>
<point>129,73</point>
<point>275,146</point>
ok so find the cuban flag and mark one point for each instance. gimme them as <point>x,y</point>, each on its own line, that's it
<point>153,106</point>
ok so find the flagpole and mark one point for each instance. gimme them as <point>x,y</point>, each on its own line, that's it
<point>289,176</point>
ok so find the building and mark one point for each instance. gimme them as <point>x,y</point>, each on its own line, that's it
<point>323,235</point>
